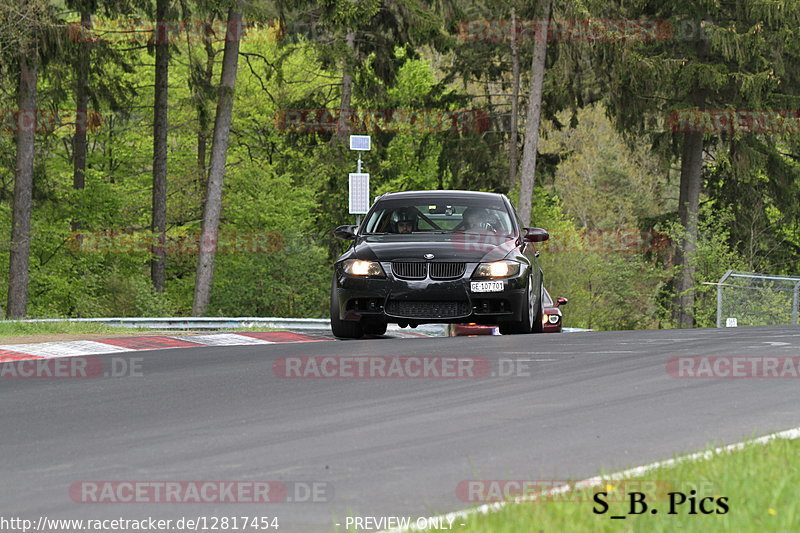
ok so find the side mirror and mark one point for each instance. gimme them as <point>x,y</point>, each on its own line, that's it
<point>561,301</point>
<point>535,235</point>
<point>345,232</point>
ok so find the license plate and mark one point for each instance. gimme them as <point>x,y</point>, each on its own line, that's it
<point>486,286</point>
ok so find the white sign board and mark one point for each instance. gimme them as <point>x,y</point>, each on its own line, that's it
<point>731,323</point>
<point>359,193</point>
<point>360,142</point>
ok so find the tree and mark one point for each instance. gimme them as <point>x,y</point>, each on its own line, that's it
<point>160,129</point>
<point>738,56</point>
<point>528,171</point>
<point>23,187</point>
<point>79,142</point>
<point>513,149</point>
<point>27,30</point>
<point>216,172</point>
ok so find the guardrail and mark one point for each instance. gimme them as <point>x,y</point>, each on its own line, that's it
<point>195,323</point>
<point>201,322</point>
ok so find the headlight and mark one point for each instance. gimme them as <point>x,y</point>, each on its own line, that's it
<point>357,267</point>
<point>497,269</point>
<point>553,319</point>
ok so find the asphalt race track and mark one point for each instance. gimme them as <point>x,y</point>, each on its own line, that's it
<point>575,405</point>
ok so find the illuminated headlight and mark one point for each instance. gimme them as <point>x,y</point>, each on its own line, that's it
<point>357,267</point>
<point>497,269</point>
<point>553,319</point>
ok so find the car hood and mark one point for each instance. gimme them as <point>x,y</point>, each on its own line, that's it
<point>460,246</point>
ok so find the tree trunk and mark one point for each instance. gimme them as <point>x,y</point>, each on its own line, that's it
<point>342,126</point>
<point>158,226</point>
<point>216,172</point>
<point>79,144</point>
<point>23,192</point>
<point>202,112</point>
<point>513,149</point>
<point>688,203</point>
<point>528,172</point>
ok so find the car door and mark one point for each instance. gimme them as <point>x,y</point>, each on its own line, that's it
<point>531,252</point>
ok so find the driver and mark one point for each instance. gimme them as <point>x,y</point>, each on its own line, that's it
<point>405,221</point>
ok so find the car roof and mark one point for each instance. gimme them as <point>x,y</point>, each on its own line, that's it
<point>440,194</point>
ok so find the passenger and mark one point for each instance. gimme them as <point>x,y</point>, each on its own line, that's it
<point>476,218</point>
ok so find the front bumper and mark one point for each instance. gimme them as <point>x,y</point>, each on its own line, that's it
<point>403,301</point>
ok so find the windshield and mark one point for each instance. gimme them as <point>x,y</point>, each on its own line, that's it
<point>547,301</point>
<point>440,215</point>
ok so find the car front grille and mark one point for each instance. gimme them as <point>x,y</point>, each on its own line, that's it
<point>409,269</point>
<point>447,270</point>
<point>419,270</point>
<point>410,309</point>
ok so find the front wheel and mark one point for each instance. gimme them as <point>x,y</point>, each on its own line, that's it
<point>343,329</point>
<point>531,316</point>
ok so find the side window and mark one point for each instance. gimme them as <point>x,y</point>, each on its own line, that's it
<point>516,217</point>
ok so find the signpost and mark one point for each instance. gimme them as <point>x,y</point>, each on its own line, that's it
<point>362,143</point>
<point>359,193</point>
<point>359,181</point>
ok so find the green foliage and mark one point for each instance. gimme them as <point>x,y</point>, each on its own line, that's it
<point>291,188</point>
<point>609,285</point>
<point>604,182</point>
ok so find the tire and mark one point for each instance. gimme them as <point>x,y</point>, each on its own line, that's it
<point>538,326</point>
<point>342,329</point>
<point>526,325</point>
<point>376,327</point>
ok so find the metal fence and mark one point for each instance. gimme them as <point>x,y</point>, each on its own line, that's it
<point>752,299</point>
<point>202,322</point>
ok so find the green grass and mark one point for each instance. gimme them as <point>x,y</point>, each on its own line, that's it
<point>760,483</point>
<point>14,328</point>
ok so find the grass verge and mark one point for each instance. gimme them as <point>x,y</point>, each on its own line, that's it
<point>16,328</point>
<point>759,483</point>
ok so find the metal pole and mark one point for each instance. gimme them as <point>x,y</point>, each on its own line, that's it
<point>795,302</point>
<point>358,217</point>
<point>719,297</point>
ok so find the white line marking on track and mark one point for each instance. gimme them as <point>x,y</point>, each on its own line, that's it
<point>566,352</point>
<point>790,434</point>
<point>222,339</point>
<point>64,348</point>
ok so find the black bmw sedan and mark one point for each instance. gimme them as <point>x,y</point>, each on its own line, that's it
<point>438,257</point>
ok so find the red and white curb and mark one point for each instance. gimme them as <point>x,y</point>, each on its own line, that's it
<point>47,350</point>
